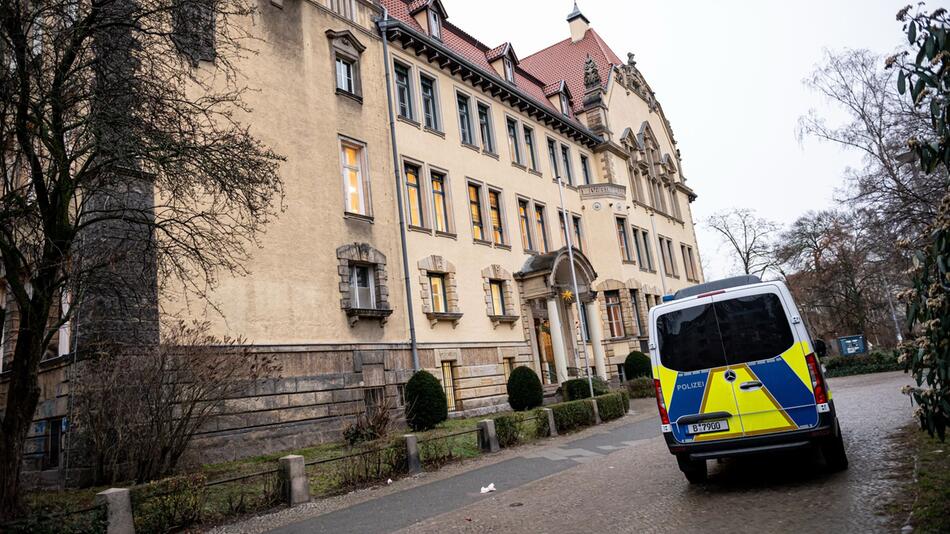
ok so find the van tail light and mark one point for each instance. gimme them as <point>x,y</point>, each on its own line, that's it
<point>817,381</point>
<point>660,403</point>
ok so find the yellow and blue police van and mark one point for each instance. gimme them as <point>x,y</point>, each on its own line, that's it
<point>736,373</point>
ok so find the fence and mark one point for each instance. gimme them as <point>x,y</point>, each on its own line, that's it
<point>90,520</point>
<point>180,502</point>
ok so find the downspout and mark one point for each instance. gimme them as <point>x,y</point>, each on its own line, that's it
<point>414,346</point>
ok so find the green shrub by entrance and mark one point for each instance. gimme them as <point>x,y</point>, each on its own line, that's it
<point>524,389</point>
<point>611,406</point>
<point>636,365</point>
<point>426,405</point>
<point>641,388</point>
<point>859,364</point>
<point>578,388</point>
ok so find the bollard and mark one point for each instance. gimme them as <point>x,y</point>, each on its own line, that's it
<point>294,487</point>
<point>552,428</point>
<point>593,403</point>
<point>412,454</point>
<point>118,503</point>
<point>487,438</point>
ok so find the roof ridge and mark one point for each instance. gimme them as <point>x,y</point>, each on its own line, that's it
<point>604,47</point>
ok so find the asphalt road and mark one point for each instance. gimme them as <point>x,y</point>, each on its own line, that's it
<point>623,479</point>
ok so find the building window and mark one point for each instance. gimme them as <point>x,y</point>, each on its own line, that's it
<point>344,8</point>
<point>552,153</point>
<point>666,253</point>
<point>465,120</point>
<point>509,364</point>
<point>403,91</point>
<point>637,247</point>
<point>513,140</point>
<point>362,287</point>
<point>440,212</point>
<point>675,203</point>
<point>669,253</point>
<point>565,105</point>
<point>448,382</point>
<point>374,399</point>
<point>542,229</point>
<point>647,251</point>
<point>690,262</point>
<point>65,329</point>
<point>529,147</point>
<point>497,297</point>
<point>484,128</point>
<point>430,103</point>
<point>585,169</point>
<point>475,207</point>
<point>344,75</point>
<point>52,443</point>
<point>437,289</point>
<point>192,31</point>
<point>356,184</point>
<point>509,70</point>
<point>635,305</point>
<point>497,220</point>
<point>413,195</point>
<point>435,24</point>
<point>568,168</point>
<point>622,239</point>
<point>614,314</point>
<point>578,233</point>
<point>560,219</point>
<point>524,221</point>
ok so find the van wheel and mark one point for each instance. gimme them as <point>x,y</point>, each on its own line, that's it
<point>835,457</point>
<point>695,470</point>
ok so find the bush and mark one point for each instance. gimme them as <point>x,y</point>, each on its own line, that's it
<point>637,365</point>
<point>371,426</point>
<point>610,406</point>
<point>426,405</point>
<point>524,389</point>
<point>641,388</point>
<point>572,415</point>
<point>541,428</point>
<point>626,400</point>
<point>173,503</point>
<point>577,388</point>
<point>509,428</point>
<point>875,362</point>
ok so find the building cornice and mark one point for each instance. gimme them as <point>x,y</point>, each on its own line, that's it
<point>446,58</point>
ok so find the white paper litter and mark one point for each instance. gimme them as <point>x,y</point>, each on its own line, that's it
<point>389,481</point>
<point>488,488</point>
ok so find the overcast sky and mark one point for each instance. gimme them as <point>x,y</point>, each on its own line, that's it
<point>729,76</point>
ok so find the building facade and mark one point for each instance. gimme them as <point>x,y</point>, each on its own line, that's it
<point>543,207</point>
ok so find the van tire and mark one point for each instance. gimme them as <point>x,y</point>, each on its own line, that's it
<point>836,459</point>
<point>695,470</point>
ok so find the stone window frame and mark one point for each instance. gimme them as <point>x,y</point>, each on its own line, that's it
<point>193,30</point>
<point>365,185</point>
<point>438,265</point>
<point>497,273</point>
<point>345,45</point>
<point>364,254</point>
<point>626,307</point>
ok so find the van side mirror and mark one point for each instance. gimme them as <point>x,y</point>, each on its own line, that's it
<point>821,349</point>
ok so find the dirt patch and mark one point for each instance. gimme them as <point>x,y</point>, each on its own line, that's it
<point>923,477</point>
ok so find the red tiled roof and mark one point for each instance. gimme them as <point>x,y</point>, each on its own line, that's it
<point>552,88</point>
<point>566,60</point>
<point>476,51</point>
<point>499,51</point>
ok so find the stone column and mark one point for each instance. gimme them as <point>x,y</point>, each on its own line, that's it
<point>557,339</point>
<point>596,331</point>
<point>118,503</point>
<point>295,488</point>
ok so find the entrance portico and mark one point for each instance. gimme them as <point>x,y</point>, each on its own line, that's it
<point>548,292</point>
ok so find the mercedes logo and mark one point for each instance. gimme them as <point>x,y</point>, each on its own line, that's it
<point>730,375</point>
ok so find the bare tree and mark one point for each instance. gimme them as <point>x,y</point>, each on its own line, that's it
<point>748,236</point>
<point>124,164</point>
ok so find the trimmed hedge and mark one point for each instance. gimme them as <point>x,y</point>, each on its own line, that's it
<point>611,406</point>
<point>541,428</point>
<point>426,405</point>
<point>578,388</point>
<point>641,388</point>
<point>636,365</point>
<point>572,415</point>
<point>875,362</point>
<point>509,428</point>
<point>524,389</point>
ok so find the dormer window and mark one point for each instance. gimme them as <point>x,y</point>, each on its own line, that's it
<point>565,105</point>
<point>435,24</point>
<point>509,71</point>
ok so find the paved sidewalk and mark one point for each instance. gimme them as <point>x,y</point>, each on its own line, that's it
<point>405,508</point>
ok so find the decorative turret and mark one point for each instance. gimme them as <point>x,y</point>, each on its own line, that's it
<point>578,23</point>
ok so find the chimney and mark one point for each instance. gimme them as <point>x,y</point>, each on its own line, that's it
<point>578,23</point>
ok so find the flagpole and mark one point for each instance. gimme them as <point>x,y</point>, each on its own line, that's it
<point>577,294</point>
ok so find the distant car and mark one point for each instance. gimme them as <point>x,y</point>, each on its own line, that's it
<point>736,373</point>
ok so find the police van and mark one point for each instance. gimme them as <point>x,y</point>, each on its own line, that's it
<point>736,373</point>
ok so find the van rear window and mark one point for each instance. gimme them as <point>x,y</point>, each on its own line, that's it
<point>732,331</point>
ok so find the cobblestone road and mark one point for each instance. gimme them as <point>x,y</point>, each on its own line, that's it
<point>624,485</point>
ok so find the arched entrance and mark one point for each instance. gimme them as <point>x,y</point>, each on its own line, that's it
<point>547,289</point>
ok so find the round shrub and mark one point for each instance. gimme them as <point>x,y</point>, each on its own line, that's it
<point>426,405</point>
<point>578,388</point>
<point>524,389</point>
<point>636,365</point>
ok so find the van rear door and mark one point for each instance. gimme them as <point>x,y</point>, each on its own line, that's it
<point>772,384</point>
<point>693,372</point>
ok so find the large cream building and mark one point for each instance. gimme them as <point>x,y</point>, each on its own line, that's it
<point>479,278</point>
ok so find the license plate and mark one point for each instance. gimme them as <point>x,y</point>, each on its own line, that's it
<point>708,426</point>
